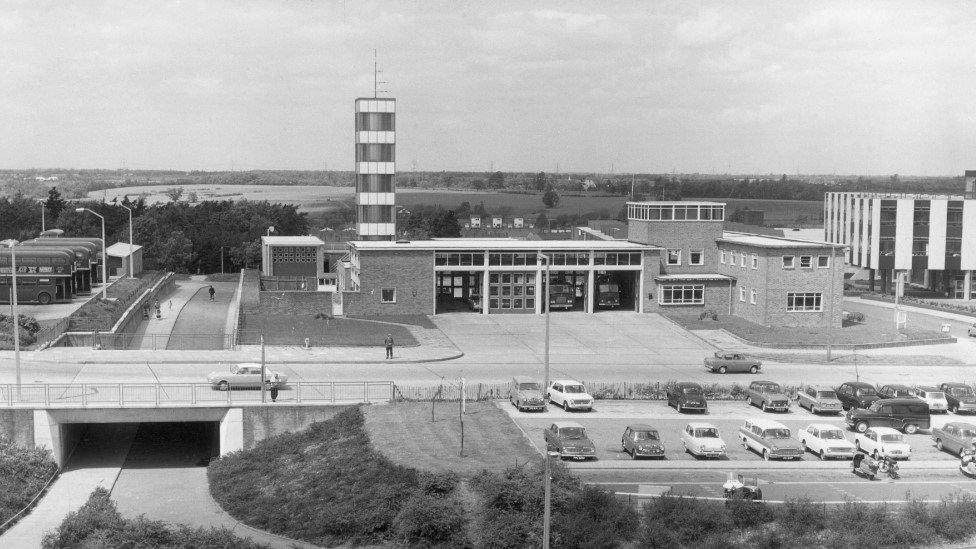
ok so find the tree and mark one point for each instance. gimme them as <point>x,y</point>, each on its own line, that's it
<point>54,203</point>
<point>174,193</point>
<point>550,198</point>
<point>542,222</point>
<point>478,184</point>
<point>176,252</point>
<point>539,181</point>
<point>670,190</point>
<point>496,181</point>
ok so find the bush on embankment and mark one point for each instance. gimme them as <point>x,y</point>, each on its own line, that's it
<point>98,524</point>
<point>23,474</point>
<point>28,331</point>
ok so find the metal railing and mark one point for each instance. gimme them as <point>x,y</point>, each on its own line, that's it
<point>294,283</point>
<point>135,395</point>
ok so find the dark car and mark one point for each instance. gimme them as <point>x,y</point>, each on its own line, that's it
<point>960,397</point>
<point>569,440</point>
<point>856,394</point>
<point>895,390</point>
<point>640,440</point>
<point>905,414</point>
<point>687,396</point>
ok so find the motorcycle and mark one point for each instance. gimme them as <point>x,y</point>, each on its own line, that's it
<point>864,466</point>
<point>738,488</point>
<point>967,463</point>
<point>888,467</point>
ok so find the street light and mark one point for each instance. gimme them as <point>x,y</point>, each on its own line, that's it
<point>545,376</point>
<point>132,272</point>
<point>43,207</point>
<point>104,255</point>
<point>547,504</point>
<point>547,508</point>
<point>10,243</point>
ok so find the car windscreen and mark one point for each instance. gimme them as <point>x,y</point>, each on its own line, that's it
<point>962,391</point>
<point>571,432</point>
<point>559,289</point>
<point>706,433</point>
<point>573,389</point>
<point>901,392</point>
<point>967,433</point>
<point>832,434</point>
<point>894,437</point>
<point>826,394</point>
<point>609,288</point>
<point>645,435</point>
<point>866,391</point>
<point>935,394</point>
<point>776,433</point>
<point>529,387</point>
<point>770,388</point>
<point>691,391</point>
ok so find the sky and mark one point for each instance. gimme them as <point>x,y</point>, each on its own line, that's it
<point>844,87</point>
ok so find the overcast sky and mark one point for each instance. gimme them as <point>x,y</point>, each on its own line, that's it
<point>763,87</point>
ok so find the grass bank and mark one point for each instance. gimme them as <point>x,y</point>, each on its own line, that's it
<point>23,474</point>
<point>321,330</point>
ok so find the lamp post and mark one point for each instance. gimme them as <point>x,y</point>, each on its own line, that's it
<point>547,504</point>
<point>545,375</point>
<point>104,255</point>
<point>43,225</point>
<point>132,271</point>
<point>270,230</point>
<point>10,243</point>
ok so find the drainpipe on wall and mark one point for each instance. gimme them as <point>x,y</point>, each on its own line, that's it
<point>730,297</point>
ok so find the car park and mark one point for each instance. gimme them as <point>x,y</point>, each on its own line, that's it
<point>960,397</point>
<point>245,375</point>
<point>856,394</point>
<point>686,396</point>
<point>640,440</point>
<point>826,441</point>
<point>569,394</point>
<point>883,442</point>
<point>770,439</point>
<point>905,414</point>
<point>895,390</point>
<point>703,440</point>
<point>569,440</point>
<point>768,396</point>
<point>932,396</point>
<point>819,400</point>
<point>954,437</point>
<point>525,393</point>
<point>724,362</point>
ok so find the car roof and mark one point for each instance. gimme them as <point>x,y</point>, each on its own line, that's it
<point>884,430</point>
<point>857,384</point>
<point>821,387</point>
<point>641,427</point>
<point>766,423</point>
<point>249,364</point>
<point>960,425</point>
<point>822,426</point>
<point>955,384</point>
<point>700,425</point>
<point>928,388</point>
<point>901,400</point>
<point>562,424</point>
<point>896,386</point>
<point>765,382</point>
<point>566,382</point>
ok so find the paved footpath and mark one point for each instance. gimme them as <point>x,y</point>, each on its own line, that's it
<point>201,322</point>
<point>154,333</point>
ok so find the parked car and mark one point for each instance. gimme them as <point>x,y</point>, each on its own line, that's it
<point>770,439</point>
<point>768,395</point>
<point>703,440</point>
<point>569,394</point>
<point>883,441</point>
<point>246,376</point>
<point>640,440</point>
<point>827,441</point>
<point>526,394</point>
<point>569,439</point>
<point>895,390</point>
<point>905,414</point>
<point>725,361</point>
<point>954,437</point>
<point>819,400</point>
<point>960,397</point>
<point>932,396</point>
<point>856,394</point>
<point>687,396</point>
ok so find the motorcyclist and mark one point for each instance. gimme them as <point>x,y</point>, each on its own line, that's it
<point>967,457</point>
<point>890,466</point>
<point>856,462</point>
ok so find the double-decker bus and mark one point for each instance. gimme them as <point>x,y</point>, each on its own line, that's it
<point>97,256</point>
<point>85,252</point>
<point>43,275</point>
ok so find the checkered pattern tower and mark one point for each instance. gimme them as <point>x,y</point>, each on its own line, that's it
<point>376,168</point>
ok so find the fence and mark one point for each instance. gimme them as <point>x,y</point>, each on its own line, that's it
<point>293,283</point>
<point>119,395</point>
<point>156,342</point>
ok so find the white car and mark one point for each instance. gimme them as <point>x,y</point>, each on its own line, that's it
<point>935,398</point>
<point>827,441</point>
<point>246,375</point>
<point>569,394</point>
<point>703,440</point>
<point>883,441</point>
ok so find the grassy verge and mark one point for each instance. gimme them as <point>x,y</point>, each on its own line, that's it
<point>28,328</point>
<point>98,524</point>
<point>23,473</point>
<point>284,329</point>
<point>405,434</point>
<point>103,314</point>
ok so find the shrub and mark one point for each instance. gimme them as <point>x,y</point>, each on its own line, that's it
<point>671,521</point>
<point>439,484</point>
<point>431,520</point>
<point>594,517</point>
<point>23,473</point>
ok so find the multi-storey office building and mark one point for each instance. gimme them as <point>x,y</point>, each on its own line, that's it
<point>376,168</point>
<point>931,237</point>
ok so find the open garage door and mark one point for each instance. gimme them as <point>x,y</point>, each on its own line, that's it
<point>616,290</point>
<point>458,291</point>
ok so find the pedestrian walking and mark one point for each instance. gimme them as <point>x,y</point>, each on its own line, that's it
<point>389,345</point>
<point>159,313</point>
<point>212,292</point>
<point>274,388</point>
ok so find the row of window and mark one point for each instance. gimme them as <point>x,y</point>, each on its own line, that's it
<point>376,214</point>
<point>302,254</point>
<point>676,212</point>
<point>694,294</point>
<point>375,152</point>
<point>469,259</point>
<point>376,121</point>
<point>695,257</point>
<point>753,260</point>
<point>753,294</point>
<point>806,261</point>
<point>374,183</point>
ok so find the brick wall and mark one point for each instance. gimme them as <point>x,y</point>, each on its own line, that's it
<point>716,299</point>
<point>680,235</point>
<point>410,272</point>
<point>261,422</point>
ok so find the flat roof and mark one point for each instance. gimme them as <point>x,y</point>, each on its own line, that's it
<point>292,240</point>
<point>691,276</point>
<point>764,241</point>
<point>499,244</point>
<point>122,249</point>
<point>678,203</point>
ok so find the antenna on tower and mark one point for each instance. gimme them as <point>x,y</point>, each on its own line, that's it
<point>376,78</point>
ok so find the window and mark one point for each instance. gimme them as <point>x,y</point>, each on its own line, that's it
<point>823,261</point>
<point>798,302</point>
<point>742,259</point>
<point>721,258</point>
<point>388,295</point>
<point>787,261</point>
<point>755,261</point>
<point>696,257</point>
<point>674,257</point>
<point>742,294</point>
<point>732,259</point>
<point>806,262</point>
<point>752,296</point>
<point>688,294</point>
